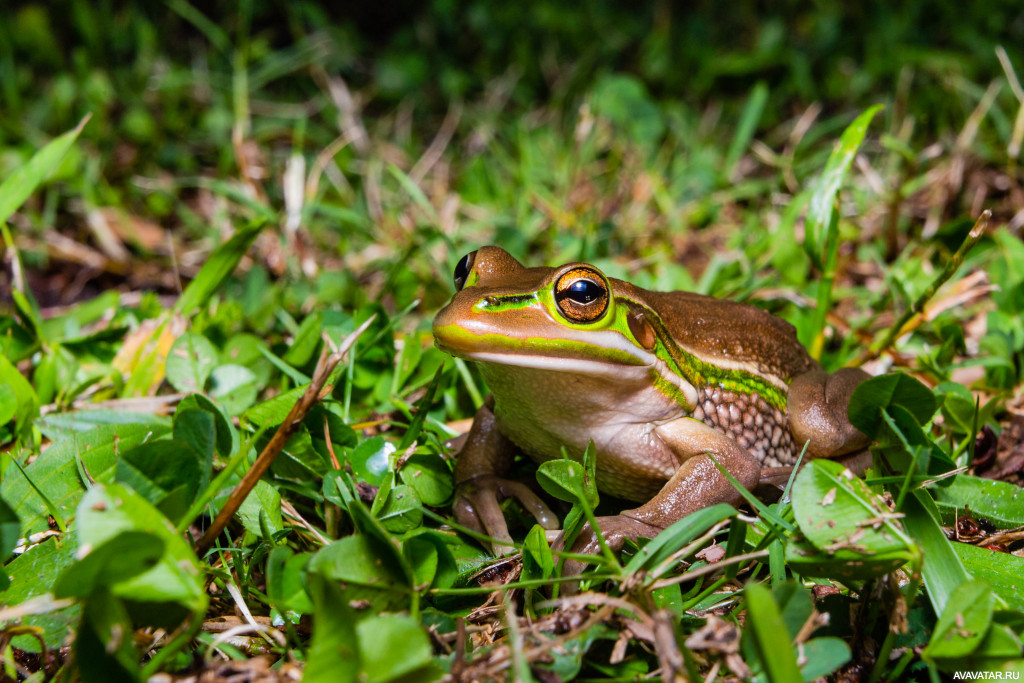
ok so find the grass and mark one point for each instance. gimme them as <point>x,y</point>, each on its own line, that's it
<point>257,183</point>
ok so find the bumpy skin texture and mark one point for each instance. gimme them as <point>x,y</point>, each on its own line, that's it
<point>749,396</point>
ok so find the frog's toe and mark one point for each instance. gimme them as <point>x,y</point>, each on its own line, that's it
<point>478,507</point>
<point>615,530</point>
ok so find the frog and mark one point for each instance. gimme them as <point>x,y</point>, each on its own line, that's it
<point>668,387</point>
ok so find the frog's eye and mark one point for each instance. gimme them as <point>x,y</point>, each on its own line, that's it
<point>581,295</point>
<point>463,269</point>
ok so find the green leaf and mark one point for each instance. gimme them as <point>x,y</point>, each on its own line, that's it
<point>963,623</point>
<point>10,532</point>
<point>32,575</point>
<point>746,128</point>
<point>846,523</point>
<point>215,271</point>
<point>1000,502</point>
<point>17,387</point>
<point>120,558</point>
<point>874,395</point>
<point>235,387</point>
<point>401,511</point>
<point>823,656</point>
<point>190,361</point>
<point>197,428</point>
<point>56,472</point>
<point>771,639</point>
<point>286,580</point>
<point>264,499</point>
<point>381,637</point>
<point>18,186</point>
<point>167,473</point>
<point>363,565</point>
<point>942,571</point>
<point>538,561</point>
<point>59,426</point>
<point>371,460</point>
<point>226,434</point>
<point>821,207</point>
<point>1002,571</point>
<point>678,535</point>
<point>429,475</point>
<point>169,592</point>
<point>333,655</point>
<point>104,649</point>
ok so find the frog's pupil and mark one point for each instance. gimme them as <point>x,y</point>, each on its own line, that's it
<point>584,291</point>
<point>461,272</point>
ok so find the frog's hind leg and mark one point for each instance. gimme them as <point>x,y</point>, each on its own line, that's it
<point>817,407</point>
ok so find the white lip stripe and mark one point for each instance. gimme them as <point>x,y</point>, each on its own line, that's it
<point>606,339</point>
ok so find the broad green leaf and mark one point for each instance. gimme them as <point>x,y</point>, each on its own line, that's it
<point>197,428</point>
<point>286,580</point>
<point>1002,571</point>
<point>191,360</point>
<point>18,186</point>
<point>164,595</point>
<point>56,473</point>
<point>873,396</point>
<point>233,386</point>
<point>120,558</point>
<point>445,570</point>
<point>10,532</point>
<point>381,637</point>
<point>370,460</point>
<point>401,511</point>
<point>32,575</point>
<point>846,522</point>
<point>421,554</point>
<point>226,434</point>
<point>166,473</point>
<point>363,566</point>
<point>216,270</point>
<point>264,499</point>
<point>963,623</point>
<point>429,476</point>
<point>59,426</point>
<point>333,655</point>
<point>1000,502</point>
<point>17,388</point>
<point>770,637</point>
<point>104,648</point>
<point>274,410</point>
<point>823,656</point>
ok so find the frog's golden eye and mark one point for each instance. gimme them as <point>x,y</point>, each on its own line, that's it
<point>462,270</point>
<point>581,295</point>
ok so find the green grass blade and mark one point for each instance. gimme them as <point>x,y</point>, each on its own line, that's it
<point>745,130</point>
<point>216,270</point>
<point>23,182</point>
<point>942,571</point>
<point>778,657</point>
<point>822,218</point>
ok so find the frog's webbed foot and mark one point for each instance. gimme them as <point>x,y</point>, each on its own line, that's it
<point>478,507</point>
<point>615,530</point>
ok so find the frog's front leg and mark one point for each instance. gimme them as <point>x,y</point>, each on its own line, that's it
<point>480,483</point>
<point>695,485</point>
<point>817,408</point>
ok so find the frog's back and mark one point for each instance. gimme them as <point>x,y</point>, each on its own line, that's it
<point>729,333</point>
